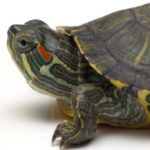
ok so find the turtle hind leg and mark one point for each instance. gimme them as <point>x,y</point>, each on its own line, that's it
<point>84,114</point>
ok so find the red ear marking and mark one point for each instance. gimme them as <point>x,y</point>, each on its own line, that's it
<point>45,54</point>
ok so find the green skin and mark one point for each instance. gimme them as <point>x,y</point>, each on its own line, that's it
<point>69,77</point>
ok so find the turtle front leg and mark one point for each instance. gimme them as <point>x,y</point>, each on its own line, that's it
<point>85,116</point>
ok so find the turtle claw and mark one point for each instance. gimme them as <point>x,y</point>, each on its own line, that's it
<point>61,141</point>
<point>55,137</point>
<point>63,131</point>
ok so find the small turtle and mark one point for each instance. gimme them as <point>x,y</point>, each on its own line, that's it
<point>99,72</point>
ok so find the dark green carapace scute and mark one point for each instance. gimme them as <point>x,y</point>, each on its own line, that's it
<point>114,42</point>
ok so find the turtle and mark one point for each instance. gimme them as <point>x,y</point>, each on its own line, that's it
<point>99,72</point>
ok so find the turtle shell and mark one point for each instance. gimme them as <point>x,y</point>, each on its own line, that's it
<point>118,45</point>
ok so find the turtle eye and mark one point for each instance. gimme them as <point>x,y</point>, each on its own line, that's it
<point>23,43</point>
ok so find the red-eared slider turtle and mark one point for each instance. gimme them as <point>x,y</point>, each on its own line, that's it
<point>99,71</point>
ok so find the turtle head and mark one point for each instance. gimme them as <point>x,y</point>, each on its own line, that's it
<point>31,45</point>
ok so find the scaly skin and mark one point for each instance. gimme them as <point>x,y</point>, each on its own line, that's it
<point>52,64</point>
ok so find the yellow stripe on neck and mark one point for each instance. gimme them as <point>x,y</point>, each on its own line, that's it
<point>27,66</point>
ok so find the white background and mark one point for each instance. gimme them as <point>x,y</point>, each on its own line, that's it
<point>27,118</point>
